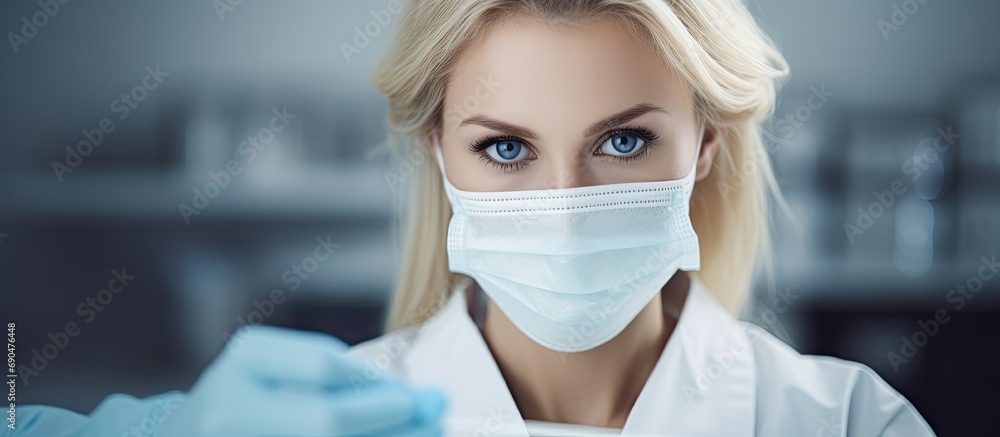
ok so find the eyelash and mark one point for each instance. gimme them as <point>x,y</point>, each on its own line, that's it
<point>480,145</point>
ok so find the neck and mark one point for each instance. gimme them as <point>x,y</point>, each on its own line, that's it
<point>597,387</point>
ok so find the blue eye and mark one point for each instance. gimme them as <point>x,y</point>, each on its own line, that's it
<point>507,151</point>
<point>623,144</point>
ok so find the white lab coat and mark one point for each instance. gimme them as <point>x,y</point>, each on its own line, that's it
<point>717,376</point>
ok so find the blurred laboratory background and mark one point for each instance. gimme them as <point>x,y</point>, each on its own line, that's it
<point>886,143</point>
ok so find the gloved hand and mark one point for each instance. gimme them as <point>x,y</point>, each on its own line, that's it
<point>279,382</point>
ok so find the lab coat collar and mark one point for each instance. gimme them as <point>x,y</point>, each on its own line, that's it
<point>704,382</point>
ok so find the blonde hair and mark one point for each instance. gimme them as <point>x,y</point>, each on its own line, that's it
<point>715,47</point>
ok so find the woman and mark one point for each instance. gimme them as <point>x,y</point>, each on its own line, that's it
<point>582,159</point>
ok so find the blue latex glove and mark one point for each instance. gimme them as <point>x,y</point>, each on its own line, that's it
<point>267,382</point>
<point>279,382</point>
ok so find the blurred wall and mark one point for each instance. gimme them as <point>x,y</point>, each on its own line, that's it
<point>899,118</point>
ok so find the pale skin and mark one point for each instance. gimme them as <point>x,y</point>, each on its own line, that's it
<point>564,100</point>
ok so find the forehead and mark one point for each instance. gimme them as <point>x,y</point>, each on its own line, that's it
<point>524,69</point>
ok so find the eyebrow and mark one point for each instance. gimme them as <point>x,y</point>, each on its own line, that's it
<point>608,123</point>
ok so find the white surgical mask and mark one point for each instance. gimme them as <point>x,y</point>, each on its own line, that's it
<point>571,268</point>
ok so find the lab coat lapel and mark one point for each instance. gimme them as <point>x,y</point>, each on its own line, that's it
<point>704,382</point>
<point>450,353</point>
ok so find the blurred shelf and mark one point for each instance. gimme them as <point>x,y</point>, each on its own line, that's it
<point>356,191</point>
<point>839,283</point>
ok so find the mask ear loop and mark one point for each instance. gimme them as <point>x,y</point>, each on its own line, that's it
<point>436,145</point>
<point>448,187</point>
<point>697,150</point>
